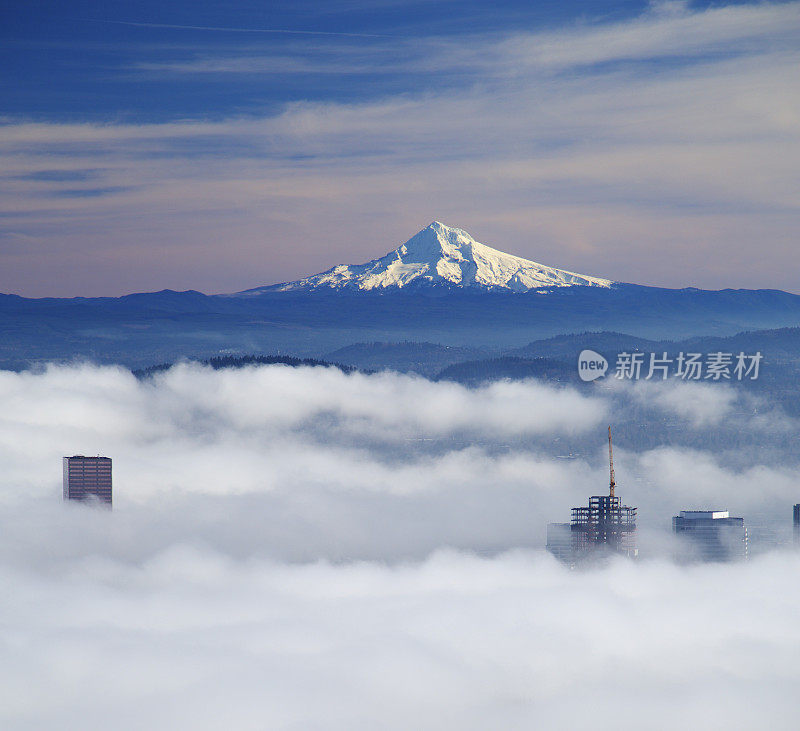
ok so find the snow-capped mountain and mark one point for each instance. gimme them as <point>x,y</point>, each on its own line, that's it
<point>440,256</point>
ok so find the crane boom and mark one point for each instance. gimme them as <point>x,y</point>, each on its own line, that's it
<point>612,482</point>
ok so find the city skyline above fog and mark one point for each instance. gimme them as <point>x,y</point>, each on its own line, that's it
<point>209,148</point>
<point>313,463</point>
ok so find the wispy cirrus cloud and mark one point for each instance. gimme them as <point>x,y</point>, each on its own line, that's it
<point>656,150</point>
<point>668,30</point>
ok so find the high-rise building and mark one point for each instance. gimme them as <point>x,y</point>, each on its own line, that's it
<point>559,542</point>
<point>711,535</point>
<point>87,478</point>
<point>796,522</point>
<point>604,526</point>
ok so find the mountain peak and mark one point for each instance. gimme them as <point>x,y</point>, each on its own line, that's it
<point>441,255</point>
<point>436,240</point>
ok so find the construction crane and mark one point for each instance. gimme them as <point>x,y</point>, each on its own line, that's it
<point>612,481</point>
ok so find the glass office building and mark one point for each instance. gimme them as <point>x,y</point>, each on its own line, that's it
<point>710,535</point>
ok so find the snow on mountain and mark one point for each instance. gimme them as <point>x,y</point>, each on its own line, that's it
<point>443,256</point>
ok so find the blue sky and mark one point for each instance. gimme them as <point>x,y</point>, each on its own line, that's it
<point>114,61</point>
<point>648,142</point>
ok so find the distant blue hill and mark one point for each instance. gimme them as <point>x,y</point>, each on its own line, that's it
<point>147,328</point>
<point>441,286</point>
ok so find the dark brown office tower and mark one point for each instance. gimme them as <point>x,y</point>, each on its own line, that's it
<point>87,478</point>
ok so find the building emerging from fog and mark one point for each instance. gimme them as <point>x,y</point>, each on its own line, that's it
<point>604,526</point>
<point>796,522</point>
<point>87,478</point>
<point>559,541</point>
<point>711,535</point>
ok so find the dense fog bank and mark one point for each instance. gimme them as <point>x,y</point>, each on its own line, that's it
<point>305,548</point>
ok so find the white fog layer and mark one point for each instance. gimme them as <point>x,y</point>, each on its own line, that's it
<point>302,548</point>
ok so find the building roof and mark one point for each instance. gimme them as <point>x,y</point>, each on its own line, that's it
<point>704,514</point>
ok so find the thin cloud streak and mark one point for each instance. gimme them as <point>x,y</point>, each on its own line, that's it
<point>283,31</point>
<point>683,36</point>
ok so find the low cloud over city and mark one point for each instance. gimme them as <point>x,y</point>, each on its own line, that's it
<point>349,550</point>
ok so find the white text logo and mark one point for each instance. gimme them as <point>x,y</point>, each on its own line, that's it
<point>591,365</point>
